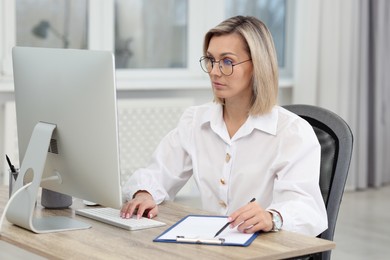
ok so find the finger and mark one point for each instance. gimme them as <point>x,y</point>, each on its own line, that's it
<point>144,208</point>
<point>248,223</point>
<point>129,209</point>
<point>236,217</point>
<point>252,229</point>
<point>237,213</point>
<point>153,212</point>
<point>140,211</point>
<point>124,209</point>
<point>261,221</point>
<point>243,218</point>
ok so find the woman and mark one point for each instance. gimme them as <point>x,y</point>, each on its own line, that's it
<point>241,146</point>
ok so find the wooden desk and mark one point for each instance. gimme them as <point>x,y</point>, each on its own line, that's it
<point>108,242</point>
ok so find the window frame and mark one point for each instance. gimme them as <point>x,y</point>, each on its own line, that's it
<point>101,37</point>
<point>7,41</point>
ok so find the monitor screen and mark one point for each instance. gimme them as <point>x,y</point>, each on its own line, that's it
<point>74,90</point>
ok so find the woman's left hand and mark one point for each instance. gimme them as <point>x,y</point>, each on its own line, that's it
<point>251,218</point>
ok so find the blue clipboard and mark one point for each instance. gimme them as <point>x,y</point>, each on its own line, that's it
<point>200,229</point>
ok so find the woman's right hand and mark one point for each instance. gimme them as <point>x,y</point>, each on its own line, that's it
<point>141,205</point>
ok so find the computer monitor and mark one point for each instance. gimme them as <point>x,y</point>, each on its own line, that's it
<point>67,130</point>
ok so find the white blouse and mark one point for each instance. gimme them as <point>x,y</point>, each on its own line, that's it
<point>274,158</point>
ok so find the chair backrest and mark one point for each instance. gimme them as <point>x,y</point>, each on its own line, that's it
<point>336,140</point>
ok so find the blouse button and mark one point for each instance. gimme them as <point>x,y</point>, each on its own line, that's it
<point>227,158</point>
<point>222,181</point>
<point>222,203</point>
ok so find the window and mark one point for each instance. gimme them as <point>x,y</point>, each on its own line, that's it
<point>52,23</point>
<point>151,33</point>
<point>157,43</point>
<point>272,13</point>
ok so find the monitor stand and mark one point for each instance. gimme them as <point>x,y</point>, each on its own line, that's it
<point>23,199</point>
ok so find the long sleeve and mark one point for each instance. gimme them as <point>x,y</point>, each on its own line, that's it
<point>296,193</point>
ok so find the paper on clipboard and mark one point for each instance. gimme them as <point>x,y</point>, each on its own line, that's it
<point>201,229</point>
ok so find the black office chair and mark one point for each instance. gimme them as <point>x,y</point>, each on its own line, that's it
<point>336,142</point>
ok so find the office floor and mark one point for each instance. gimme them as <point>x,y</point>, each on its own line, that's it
<point>363,230</point>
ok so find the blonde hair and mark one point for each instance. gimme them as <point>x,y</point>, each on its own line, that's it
<point>261,49</point>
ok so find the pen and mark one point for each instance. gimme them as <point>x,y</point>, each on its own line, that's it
<point>12,168</point>
<point>227,224</point>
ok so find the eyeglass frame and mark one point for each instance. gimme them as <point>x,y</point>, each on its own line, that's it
<point>219,64</point>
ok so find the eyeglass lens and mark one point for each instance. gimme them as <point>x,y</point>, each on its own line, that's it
<point>225,65</point>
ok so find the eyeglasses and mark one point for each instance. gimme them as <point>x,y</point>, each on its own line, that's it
<point>225,65</point>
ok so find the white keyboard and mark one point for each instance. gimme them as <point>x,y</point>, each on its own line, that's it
<point>112,216</point>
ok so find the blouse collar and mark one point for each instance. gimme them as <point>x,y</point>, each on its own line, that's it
<point>266,123</point>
